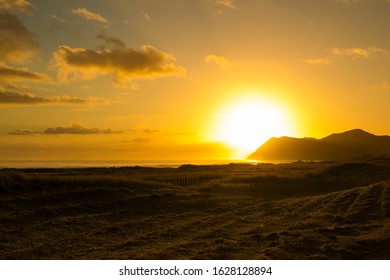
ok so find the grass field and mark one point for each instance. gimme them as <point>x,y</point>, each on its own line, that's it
<point>301,210</point>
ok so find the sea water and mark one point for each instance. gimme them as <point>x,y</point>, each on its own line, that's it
<point>109,163</point>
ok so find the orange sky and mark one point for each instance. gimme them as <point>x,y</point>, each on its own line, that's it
<point>184,79</point>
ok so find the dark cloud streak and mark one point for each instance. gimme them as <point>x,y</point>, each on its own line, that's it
<point>13,98</point>
<point>23,132</point>
<point>8,73</point>
<point>75,128</point>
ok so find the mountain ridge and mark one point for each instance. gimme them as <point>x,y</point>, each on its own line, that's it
<point>351,144</point>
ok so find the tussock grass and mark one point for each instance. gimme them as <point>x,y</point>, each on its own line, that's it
<point>237,211</point>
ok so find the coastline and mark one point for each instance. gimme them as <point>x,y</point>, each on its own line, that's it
<point>26,164</point>
<point>302,210</point>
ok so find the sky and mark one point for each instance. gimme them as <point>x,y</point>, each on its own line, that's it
<point>187,79</point>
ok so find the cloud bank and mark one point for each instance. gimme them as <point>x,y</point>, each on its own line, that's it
<point>88,15</point>
<point>116,59</point>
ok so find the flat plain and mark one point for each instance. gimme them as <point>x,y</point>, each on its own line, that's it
<point>300,210</point>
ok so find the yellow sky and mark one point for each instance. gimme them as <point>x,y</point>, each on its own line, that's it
<point>173,79</point>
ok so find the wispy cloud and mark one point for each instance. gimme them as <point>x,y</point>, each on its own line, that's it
<point>57,19</point>
<point>75,128</point>
<point>143,130</point>
<point>220,61</point>
<point>17,43</point>
<point>19,5</point>
<point>145,15</point>
<point>354,53</point>
<point>24,132</point>
<point>141,140</point>
<point>88,15</point>
<point>149,131</point>
<point>226,3</point>
<point>358,52</point>
<point>380,87</point>
<point>78,128</point>
<point>318,61</point>
<point>13,98</point>
<point>116,59</point>
<point>113,42</point>
<point>11,74</point>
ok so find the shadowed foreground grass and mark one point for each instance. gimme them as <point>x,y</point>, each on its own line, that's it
<point>236,211</point>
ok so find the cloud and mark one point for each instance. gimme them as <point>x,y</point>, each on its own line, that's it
<point>17,43</point>
<point>145,15</point>
<point>226,3</point>
<point>23,132</point>
<point>57,18</point>
<point>354,53</point>
<point>19,5</point>
<point>89,15</point>
<point>116,59</point>
<point>149,131</point>
<point>318,61</point>
<point>381,87</point>
<point>78,128</point>
<point>13,87</point>
<point>218,60</point>
<point>141,140</point>
<point>13,98</point>
<point>75,128</point>
<point>358,52</point>
<point>8,73</point>
<point>114,42</point>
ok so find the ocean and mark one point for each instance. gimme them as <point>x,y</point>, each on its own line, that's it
<point>108,163</point>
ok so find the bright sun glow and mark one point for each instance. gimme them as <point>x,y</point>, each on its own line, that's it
<point>247,124</point>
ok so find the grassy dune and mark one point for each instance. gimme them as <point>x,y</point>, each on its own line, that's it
<point>236,211</point>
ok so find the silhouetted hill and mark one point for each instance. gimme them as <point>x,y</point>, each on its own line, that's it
<point>351,144</point>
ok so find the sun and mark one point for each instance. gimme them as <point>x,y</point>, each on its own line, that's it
<point>246,124</point>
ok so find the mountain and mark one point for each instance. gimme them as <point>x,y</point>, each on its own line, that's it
<point>351,144</point>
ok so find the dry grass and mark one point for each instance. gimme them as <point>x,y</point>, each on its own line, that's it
<point>284,211</point>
